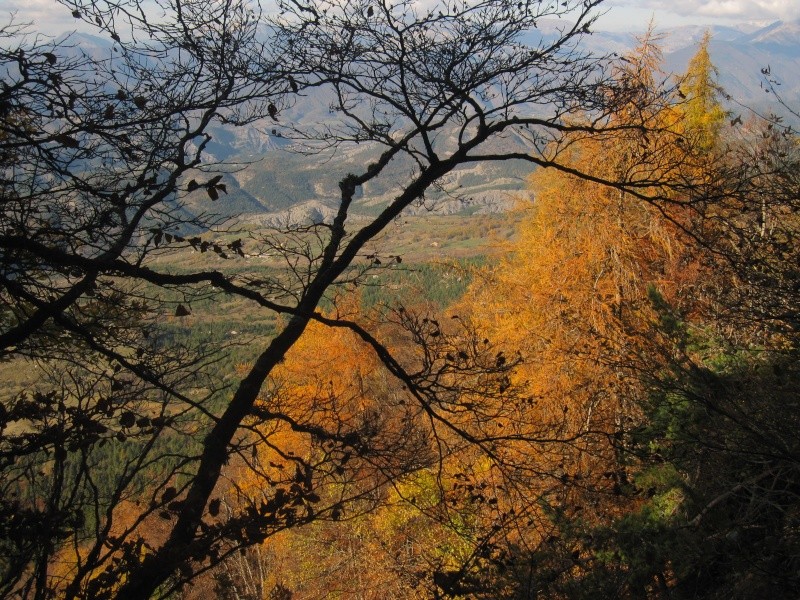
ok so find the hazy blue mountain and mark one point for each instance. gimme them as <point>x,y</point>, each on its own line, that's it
<point>779,36</point>
<point>741,58</point>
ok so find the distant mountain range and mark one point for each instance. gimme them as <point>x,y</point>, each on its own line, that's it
<point>278,187</point>
<point>739,54</point>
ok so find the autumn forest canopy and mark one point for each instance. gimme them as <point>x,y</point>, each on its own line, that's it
<point>601,400</point>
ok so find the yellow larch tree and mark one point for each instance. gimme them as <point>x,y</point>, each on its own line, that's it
<point>704,115</point>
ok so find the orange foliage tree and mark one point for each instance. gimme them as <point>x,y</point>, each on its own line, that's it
<point>353,440</point>
<point>576,297</point>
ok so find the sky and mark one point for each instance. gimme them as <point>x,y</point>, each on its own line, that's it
<point>626,15</point>
<point>622,15</point>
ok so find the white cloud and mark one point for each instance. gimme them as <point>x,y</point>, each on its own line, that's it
<point>44,16</point>
<point>740,10</point>
<point>52,18</point>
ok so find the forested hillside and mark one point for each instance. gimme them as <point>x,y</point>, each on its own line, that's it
<point>594,395</point>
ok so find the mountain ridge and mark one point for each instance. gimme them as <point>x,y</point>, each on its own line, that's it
<point>277,186</point>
